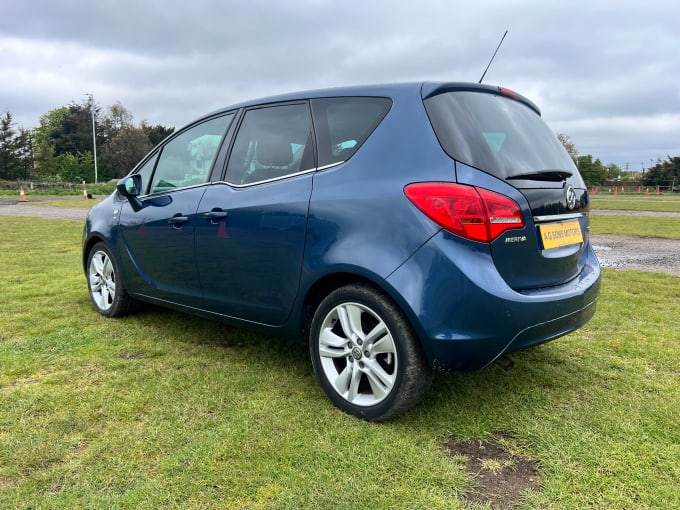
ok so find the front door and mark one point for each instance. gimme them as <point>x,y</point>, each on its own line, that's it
<point>158,241</point>
<point>158,246</point>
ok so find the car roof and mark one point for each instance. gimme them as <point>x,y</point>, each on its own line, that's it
<point>391,90</point>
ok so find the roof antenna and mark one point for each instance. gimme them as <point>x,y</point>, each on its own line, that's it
<point>492,57</point>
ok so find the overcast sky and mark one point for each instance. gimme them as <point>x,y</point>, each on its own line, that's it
<point>607,73</point>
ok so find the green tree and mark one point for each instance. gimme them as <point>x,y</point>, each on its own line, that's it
<point>569,145</point>
<point>157,133</point>
<point>64,137</point>
<point>594,173</point>
<point>16,154</point>
<point>665,173</point>
<point>125,144</point>
<point>124,150</point>
<point>615,172</point>
<point>75,132</point>
<point>45,164</point>
<point>76,167</point>
<point>24,154</point>
<point>118,118</point>
<point>43,143</point>
<point>65,130</point>
<point>49,122</point>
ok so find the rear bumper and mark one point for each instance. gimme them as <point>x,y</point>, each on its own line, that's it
<point>467,316</point>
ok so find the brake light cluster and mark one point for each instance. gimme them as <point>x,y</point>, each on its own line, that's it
<point>470,212</point>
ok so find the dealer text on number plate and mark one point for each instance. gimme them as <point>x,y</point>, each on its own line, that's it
<point>554,235</point>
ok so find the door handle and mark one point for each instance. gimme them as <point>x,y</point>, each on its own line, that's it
<point>214,215</point>
<point>178,219</point>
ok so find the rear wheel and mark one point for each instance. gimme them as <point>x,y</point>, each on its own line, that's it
<point>365,354</point>
<point>107,292</point>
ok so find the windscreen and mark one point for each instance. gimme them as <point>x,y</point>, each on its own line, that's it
<point>495,134</point>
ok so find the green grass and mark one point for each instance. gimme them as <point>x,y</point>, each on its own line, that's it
<point>668,202</point>
<point>165,410</point>
<point>641,226</point>
<point>62,189</point>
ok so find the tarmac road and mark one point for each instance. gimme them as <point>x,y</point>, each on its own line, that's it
<point>13,208</point>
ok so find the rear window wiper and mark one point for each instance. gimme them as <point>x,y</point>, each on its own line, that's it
<point>543,175</point>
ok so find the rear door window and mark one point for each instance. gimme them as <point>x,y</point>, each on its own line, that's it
<point>272,142</point>
<point>344,123</point>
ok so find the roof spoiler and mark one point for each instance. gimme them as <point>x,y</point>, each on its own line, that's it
<point>434,89</point>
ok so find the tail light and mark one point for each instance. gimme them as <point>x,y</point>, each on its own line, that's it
<point>473,213</point>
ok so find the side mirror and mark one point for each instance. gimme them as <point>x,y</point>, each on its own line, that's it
<point>130,187</point>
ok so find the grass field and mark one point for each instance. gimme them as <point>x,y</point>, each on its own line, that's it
<point>165,410</point>
<point>667,202</point>
<point>641,226</point>
<point>664,227</point>
<point>76,190</point>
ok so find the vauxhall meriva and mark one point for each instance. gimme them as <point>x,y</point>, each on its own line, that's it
<point>393,228</point>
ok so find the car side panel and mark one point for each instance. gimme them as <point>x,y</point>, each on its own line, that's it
<point>249,261</point>
<point>157,247</point>
<point>360,221</point>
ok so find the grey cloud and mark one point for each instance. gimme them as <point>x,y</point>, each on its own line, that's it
<point>168,62</point>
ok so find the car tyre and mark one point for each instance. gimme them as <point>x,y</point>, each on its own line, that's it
<point>366,355</point>
<point>107,291</point>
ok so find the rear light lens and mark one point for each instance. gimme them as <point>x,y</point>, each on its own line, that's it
<point>473,213</point>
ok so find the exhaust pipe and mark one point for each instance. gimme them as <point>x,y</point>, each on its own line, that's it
<point>505,362</point>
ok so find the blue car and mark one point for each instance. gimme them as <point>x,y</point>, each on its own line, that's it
<point>394,228</point>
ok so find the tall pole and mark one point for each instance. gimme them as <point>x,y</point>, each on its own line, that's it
<point>94,138</point>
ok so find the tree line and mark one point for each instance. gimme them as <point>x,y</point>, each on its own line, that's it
<point>61,148</point>
<point>665,174</point>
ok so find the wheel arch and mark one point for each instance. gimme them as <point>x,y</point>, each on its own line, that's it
<point>88,245</point>
<point>330,282</point>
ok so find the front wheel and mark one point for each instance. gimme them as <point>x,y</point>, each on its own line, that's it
<point>107,292</point>
<point>366,355</point>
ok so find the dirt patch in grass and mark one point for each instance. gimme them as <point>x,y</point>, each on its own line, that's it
<point>641,253</point>
<point>500,478</point>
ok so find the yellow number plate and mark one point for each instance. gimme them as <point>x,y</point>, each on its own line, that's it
<point>554,235</point>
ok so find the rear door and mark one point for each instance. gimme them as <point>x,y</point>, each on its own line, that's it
<point>251,228</point>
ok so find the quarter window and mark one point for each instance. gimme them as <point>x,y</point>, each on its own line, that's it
<point>272,142</point>
<point>145,172</point>
<point>344,123</point>
<point>187,159</point>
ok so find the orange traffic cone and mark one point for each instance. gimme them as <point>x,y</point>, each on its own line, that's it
<point>22,195</point>
<point>84,191</point>
<point>658,190</point>
<point>616,190</point>
<point>647,191</point>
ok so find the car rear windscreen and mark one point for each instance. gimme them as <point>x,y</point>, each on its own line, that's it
<point>496,134</point>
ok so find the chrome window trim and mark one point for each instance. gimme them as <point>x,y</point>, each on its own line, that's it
<point>308,171</point>
<point>159,193</point>
<point>302,172</point>
<point>331,165</point>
